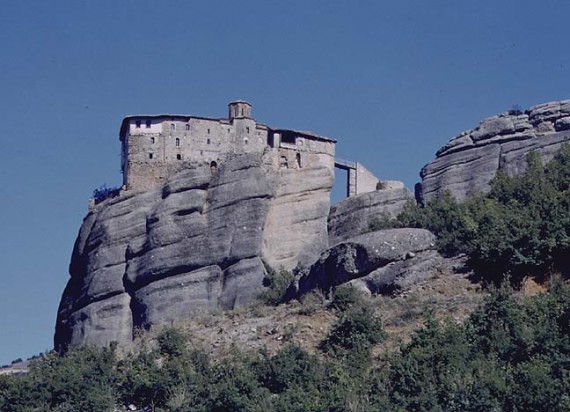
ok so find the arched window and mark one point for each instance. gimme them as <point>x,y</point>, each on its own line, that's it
<point>213,167</point>
<point>298,157</point>
<point>152,140</point>
<point>208,141</point>
<point>245,140</point>
<point>178,156</point>
<point>283,162</point>
<point>172,126</point>
<point>187,127</point>
<point>177,141</point>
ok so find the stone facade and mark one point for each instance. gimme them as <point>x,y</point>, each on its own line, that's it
<point>154,147</point>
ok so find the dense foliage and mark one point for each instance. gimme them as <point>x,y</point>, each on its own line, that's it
<point>521,227</point>
<point>510,355</point>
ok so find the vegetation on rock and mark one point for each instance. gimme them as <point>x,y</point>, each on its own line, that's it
<point>521,227</point>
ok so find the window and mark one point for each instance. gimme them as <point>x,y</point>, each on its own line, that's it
<point>152,140</point>
<point>208,131</point>
<point>288,138</point>
<point>138,124</point>
<point>213,167</point>
<point>148,123</point>
<point>150,155</point>
<point>247,129</point>
<point>177,141</point>
<point>208,141</point>
<point>298,157</point>
<point>187,127</point>
<point>178,156</point>
<point>245,140</point>
<point>172,126</point>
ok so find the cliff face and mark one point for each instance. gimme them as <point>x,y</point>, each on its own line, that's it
<point>198,243</point>
<point>469,161</point>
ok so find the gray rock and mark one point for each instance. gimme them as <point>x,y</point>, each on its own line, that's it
<point>469,161</point>
<point>98,323</point>
<point>178,297</point>
<point>353,215</point>
<point>562,124</point>
<point>461,173</point>
<point>401,274</point>
<point>360,256</point>
<point>196,244</point>
<point>496,125</point>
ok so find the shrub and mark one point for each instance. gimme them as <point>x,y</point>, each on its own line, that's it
<point>346,297</point>
<point>385,221</point>
<point>172,342</point>
<point>311,302</point>
<point>515,110</point>
<point>521,227</point>
<point>354,333</point>
<point>104,193</point>
<point>277,284</point>
<point>290,367</point>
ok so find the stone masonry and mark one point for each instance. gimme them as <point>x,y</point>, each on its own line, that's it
<point>154,147</point>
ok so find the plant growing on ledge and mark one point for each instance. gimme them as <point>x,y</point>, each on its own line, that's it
<point>104,193</point>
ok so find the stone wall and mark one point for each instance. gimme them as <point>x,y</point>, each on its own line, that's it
<point>155,147</point>
<point>152,154</point>
<point>365,180</point>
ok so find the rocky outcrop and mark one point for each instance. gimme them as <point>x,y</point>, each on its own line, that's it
<point>380,262</point>
<point>469,161</point>
<point>353,216</point>
<point>200,242</point>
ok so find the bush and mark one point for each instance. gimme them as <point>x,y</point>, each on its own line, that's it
<point>521,227</point>
<point>346,297</point>
<point>311,302</point>
<point>277,284</point>
<point>354,333</point>
<point>172,342</point>
<point>104,193</point>
<point>290,367</point>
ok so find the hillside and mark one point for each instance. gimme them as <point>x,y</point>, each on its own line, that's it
<point>453,305</point>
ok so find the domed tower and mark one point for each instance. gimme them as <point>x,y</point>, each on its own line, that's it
<point>239,109</point>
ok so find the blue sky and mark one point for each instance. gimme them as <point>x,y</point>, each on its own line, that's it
<point>392,81</point>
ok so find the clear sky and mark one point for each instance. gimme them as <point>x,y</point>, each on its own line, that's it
<point>392,81</point>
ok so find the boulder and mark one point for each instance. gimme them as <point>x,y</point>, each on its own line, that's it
<point>469,161</point>
<point>362,256</point>
<point>401,274</point>
<point>353,215</point>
